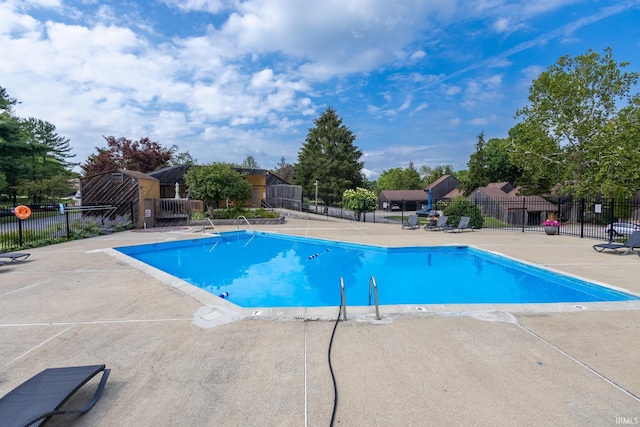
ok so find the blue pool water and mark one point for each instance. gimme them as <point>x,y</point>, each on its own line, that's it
<point>270,270</point>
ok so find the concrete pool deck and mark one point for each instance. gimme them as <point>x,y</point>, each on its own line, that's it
<point>183,357</point>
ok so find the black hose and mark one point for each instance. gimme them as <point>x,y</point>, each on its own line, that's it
<point>333,378</point>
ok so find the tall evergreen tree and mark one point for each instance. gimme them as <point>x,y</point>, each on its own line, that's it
<point>284,170</point>
<point>329,157</point>
<point>34,158</point>
<point>12,146</point>
<point>249,163</point>
<point>47,157</point>
<point>477,176</point>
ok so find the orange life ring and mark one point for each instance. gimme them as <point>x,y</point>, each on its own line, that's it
<point>22,211</point>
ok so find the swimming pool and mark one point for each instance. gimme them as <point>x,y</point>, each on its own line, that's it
<point>259,269</point>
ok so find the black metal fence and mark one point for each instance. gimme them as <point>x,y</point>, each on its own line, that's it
<point>582,217</point>
<point>54,223</point>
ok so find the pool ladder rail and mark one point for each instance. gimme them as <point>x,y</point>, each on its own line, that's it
<point>373,290</point>
<point>212,225</point>
<point>245,220</point>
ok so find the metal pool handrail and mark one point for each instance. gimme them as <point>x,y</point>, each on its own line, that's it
<point>212,224</point>
<point>373,287</point>
<point>245,220</point>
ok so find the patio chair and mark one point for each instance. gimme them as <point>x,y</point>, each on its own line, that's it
<point>442,222</point>
<point>15,256</point>
<point>633,242</point>
<point>412,222</point>
<point>462,225</point>
<point>36,400</point>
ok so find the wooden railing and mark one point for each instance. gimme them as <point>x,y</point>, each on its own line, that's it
<point>171,208</point>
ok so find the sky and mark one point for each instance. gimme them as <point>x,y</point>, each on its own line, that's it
<point>414,80</point>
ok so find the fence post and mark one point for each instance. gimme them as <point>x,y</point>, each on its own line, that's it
<point>524,207</point>
<point>20,230</point>
<point>581,216</point>
<point>66,214</point>
<point>611,218</point>
<point>559,216</point>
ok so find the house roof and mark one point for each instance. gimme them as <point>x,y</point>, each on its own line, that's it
<point>136,174</point>
<point>132,174</point>
<point>408,195</point>
<point>453,194</point>
<point>171,174</point>
<point>511,201</point>
<point>439,181</point>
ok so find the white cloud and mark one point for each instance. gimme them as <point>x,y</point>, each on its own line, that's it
<point>479,121</point>
<point>406,104</point>
<point>501,25</point>
<point>452,90</point>
<point>421,107</point>
<point>419,54</point>
<point>211,6</point>
<point>330,37</point>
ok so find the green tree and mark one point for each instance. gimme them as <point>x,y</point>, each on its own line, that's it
<point>537,156</point>
<point>249,163</point>
<point>430,174</point>
<point>616,169</point>
<point>217,182</point>
<point>284,170</point>
<point>329,157</point>
<point>399,179</point>
<point>50,189</point>
<point>478,175</point>
<point>46,161</point>
<point>12,146</point>
<point>499,166</point>
<point>359,200</point>
<point>184,158</point>
<point>580,104</point>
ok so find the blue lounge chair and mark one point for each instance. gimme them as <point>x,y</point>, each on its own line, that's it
<point>462,225</point>
<point>412,222</point>
<point>633,242</point>
<point>15,256</point>
<point>36,400</point>
<point>442,222</point>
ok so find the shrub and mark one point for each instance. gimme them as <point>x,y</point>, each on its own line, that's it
<point>462,207</point>
<point>197,216</point>
<point>99,225</point>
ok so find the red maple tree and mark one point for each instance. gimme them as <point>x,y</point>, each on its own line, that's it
<point>143,156</point>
